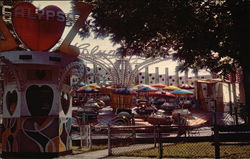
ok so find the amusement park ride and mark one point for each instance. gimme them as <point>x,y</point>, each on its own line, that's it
<point>37,94</point>
<point>37,107</point>
<point>37,102</point>
<point>121,69</point>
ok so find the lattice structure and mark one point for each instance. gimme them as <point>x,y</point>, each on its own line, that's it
<point>122,70</point>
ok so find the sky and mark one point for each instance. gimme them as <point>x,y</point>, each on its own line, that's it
<point>106,44</point>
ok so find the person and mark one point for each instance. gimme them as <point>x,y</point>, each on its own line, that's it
<point>181,104</point>
<point>176,101</point>
<point>159,101</point>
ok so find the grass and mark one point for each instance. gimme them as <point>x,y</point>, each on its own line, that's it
<point>194,150</point>
<point>93,148</point>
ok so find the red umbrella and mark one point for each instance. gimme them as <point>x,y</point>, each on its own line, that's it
<point>170,94</point>
<point>170,88</point>
<point>139,86</point>
<point>155,93</point>
<point>159,93</point>
<point>87,90</point>
<point>186,86</point>
<point>159,85</point>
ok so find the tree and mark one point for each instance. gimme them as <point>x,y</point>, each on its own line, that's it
<point>151,28</point>
<point>206,34</point>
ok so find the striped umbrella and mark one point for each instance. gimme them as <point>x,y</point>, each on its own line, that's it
<point>181,92</point>
<point>147,89</point>
<point>160,93</point>
<point>186,86</point>
<point>136,87</point>
<point>170,88</point>
<point>158,85</point>
<point>92,86</point>
<point>87,90</point>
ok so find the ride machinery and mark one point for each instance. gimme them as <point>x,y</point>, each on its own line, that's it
<point>37,105</point>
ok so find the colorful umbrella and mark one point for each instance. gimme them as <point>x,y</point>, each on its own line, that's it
<point>147,89</point>
<point>181,92</point>
<point>82,84</point>
<point>186,86</point>
<point>158,85</point>
<point>159,93</point>
<point>124,91</point>
<point>136,87</point>
<point>78,84</point>
<point>87,90</point>
<point>155,93</point>
<point>170,88</point>
<point>170,94</point>
<point>93,86</point>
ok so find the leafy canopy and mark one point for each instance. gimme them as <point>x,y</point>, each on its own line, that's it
<point>203,33</point>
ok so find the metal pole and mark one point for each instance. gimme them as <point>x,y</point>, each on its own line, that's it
<point>186,76</point>
<point>177,76</point>
<point>157,75</point>
<point>216,133</point>
<point>109,141</point>
<point>160,154</point>
<point>90,137</point>
<point>81,136</point>
<point>236,115</point>
<point>155,136</point>
<point>234,95</point>
<point>230,99</point>
<point>179,124</point>
<point>166,76</point>
<point>216,142</point>
<point>133,128</point>
<point>146,75</point>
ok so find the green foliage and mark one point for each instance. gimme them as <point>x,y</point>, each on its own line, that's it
<point>210,34</point>
<point>205,34</point>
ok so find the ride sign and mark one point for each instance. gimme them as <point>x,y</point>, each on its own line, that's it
<point>40,30</point>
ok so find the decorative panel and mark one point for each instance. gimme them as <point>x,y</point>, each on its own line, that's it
<point>40,134</point>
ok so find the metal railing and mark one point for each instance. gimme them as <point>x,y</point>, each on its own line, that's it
<point>217,138</point>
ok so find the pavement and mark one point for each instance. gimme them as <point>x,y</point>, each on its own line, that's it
<point>88,155</point>
<point>99,154</point>
<point>103,154</point>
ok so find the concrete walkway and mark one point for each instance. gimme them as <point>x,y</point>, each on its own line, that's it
<point>88,155</point>
<point>100,154</point>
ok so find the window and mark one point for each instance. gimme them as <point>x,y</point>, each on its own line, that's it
<point>39,100</point>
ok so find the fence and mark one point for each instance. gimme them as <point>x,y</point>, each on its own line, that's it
<point>219,137</point>
<point>209,140</point>
<point>152,140</point>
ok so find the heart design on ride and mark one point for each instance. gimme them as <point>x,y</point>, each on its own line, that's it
<point>11,101</point>
<point>39,100</point>
<point>38,30</point>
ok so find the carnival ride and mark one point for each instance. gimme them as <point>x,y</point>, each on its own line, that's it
<point>122,70</point>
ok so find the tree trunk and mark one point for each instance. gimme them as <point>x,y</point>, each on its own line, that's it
<point>246,82</point>
<point>241,19</point>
